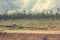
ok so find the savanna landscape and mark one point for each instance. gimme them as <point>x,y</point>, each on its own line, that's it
<point>30,26</point>
<point>29,20</point>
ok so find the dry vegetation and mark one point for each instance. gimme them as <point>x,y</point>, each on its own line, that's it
<point>30,24</point>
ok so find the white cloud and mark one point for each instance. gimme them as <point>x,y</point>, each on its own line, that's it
<point>11,11</point>
<point>42,5</point>
<point>20,3</point>
<point>3,4</point>
<point>34,4</point>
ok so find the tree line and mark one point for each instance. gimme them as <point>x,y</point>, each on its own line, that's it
<point>31,15</point>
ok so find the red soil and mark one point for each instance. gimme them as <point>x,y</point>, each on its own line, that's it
<point>26,36</point>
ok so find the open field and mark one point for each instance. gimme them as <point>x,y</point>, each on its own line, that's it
<point>30,29</point>
<point>30,24</point>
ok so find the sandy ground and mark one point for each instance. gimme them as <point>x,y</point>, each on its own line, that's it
<point>32,31</point>
<point>30,35</point>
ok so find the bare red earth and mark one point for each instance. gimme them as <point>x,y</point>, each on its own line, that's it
<point>26,36</point>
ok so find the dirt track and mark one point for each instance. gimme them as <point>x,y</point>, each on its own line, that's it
<point>32,31</point>
<point>30,35</point>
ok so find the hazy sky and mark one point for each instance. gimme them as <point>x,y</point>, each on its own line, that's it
<point>29,4</point>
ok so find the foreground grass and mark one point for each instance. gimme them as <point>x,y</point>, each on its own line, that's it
<point>32,24</point>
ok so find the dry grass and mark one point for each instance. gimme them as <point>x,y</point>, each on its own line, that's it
<point>33,24</point>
